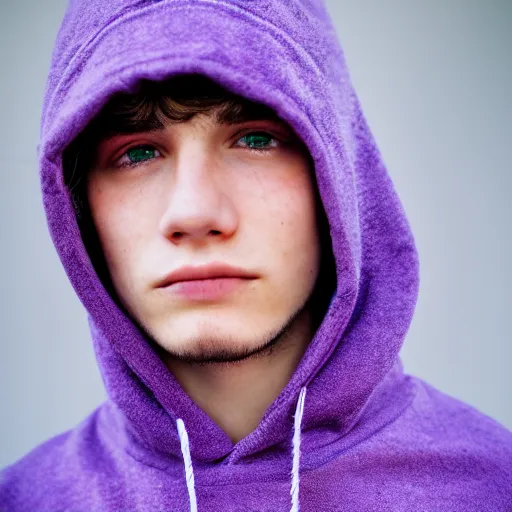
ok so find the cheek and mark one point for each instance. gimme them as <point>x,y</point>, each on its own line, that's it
<point>122,217</point>
<point>302,231</point>
<point>284,210</point>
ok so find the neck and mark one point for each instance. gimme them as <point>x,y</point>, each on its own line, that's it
<point>236,395</point>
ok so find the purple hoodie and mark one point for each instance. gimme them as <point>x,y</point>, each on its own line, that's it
<point>350,431</point>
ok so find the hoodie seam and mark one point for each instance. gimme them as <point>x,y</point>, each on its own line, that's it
<point>271,478</point>
<point>198,484</point>
<point>164,468</point>
<point>125,15</point>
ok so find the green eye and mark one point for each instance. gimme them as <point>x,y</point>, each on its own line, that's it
<point>258,140</point>
<point>140,154</point>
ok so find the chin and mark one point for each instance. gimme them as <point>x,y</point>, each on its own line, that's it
<point>217,339</point>
<point>218,334</point>
<point>215,347</point>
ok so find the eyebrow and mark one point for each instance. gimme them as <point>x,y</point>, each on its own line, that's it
<point>247,111</point>
<point>227,114</point>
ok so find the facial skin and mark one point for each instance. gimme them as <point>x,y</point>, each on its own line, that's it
<point>238,192</point>
<point>199,195</point>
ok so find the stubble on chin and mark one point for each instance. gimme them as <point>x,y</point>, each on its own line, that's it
<point>217,348</point>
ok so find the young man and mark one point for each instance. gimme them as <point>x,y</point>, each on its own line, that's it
<point>222,210</point>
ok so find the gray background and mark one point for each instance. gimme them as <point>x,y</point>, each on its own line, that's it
<point>434,79</point>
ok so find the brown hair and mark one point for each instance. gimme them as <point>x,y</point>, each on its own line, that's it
<point>153,105</point>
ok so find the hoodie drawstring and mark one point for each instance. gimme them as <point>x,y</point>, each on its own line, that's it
<point>294,491</point>
<point>187,459</point>
<point>299,411</point>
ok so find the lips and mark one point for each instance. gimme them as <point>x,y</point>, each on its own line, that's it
<point>210,271</point>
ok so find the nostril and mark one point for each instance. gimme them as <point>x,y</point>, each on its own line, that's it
<point>177,235</point>
<point>214,232</point>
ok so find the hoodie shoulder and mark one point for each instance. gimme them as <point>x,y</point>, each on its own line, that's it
<point>439,454</point>
<point>24,484</point>
<point>466,443</point>
<point>464,421</point>
<point>55,475</point>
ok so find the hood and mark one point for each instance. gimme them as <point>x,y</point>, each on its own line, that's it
<point>297,68</point>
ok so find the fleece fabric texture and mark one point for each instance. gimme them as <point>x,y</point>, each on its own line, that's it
<point>372,437</point>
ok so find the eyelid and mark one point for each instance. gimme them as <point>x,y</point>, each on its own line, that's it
<point>277,142</point>
<point>131,144</point>
<point>282,140</point>
<point>121,150</point>
<point>113,161</point>
<point>271,129</point>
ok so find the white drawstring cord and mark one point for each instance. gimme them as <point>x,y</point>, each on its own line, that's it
<point>299,411</point>
<point>294,491</point>
<point>189,471</point>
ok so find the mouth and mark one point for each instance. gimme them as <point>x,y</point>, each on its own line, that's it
<point>207,282</point>
<point>206,289</point>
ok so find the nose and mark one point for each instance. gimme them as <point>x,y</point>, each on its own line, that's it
<point>199,205</point>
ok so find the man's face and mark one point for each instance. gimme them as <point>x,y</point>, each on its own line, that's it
<point>198,193</point>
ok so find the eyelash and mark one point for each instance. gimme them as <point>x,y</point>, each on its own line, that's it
<point>143,162</point>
